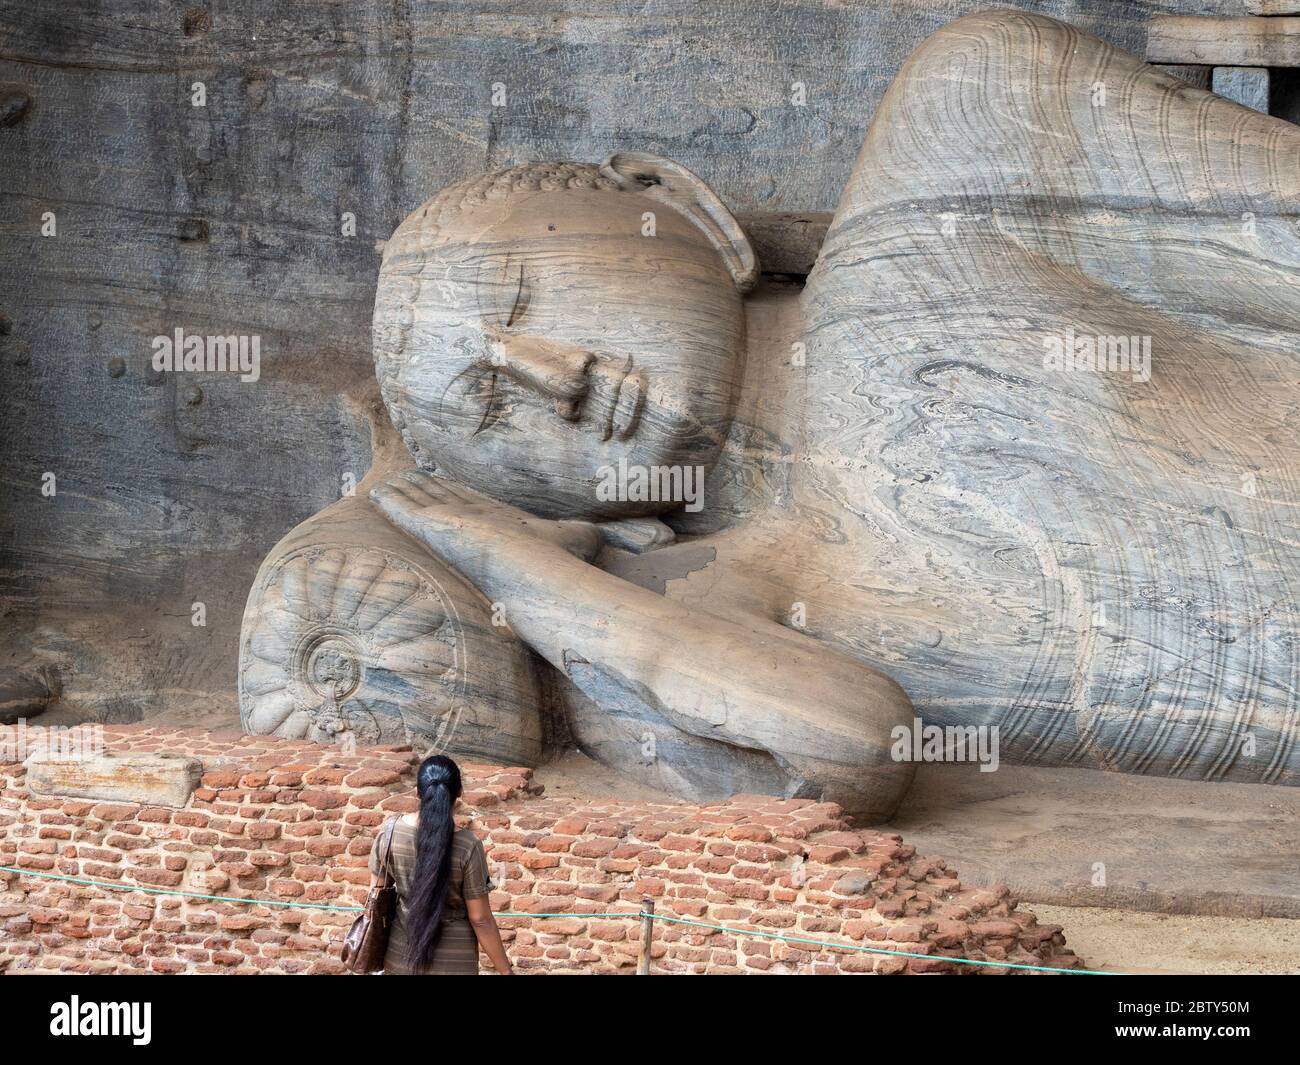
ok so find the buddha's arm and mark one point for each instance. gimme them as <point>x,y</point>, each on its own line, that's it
<point>823,716</point>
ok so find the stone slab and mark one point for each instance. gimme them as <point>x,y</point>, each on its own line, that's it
<point>150,779</point>
<point>1227,42</point>
<point>1247,86</point>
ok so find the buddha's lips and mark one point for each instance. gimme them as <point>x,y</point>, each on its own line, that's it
<point>607,415</point>
<point>614,407</point>
<point>629,399</point>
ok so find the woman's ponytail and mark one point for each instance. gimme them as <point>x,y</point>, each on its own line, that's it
<point>438,786</point>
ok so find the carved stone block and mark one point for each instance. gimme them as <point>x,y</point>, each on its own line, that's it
<point>150,779</point>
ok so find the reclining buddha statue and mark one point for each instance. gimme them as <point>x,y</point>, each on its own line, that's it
<point>1028,461</point>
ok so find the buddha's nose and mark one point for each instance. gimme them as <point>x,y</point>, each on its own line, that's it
<point>552,369</point>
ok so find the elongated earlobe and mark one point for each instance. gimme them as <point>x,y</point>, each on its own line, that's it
<point>671,183</point>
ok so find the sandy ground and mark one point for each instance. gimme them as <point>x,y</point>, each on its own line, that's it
<point>1087,838</point>
<point>574,775</point>
<point>1128,942</point>
<point>1118,940</point>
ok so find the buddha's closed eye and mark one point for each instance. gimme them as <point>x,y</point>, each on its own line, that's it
<point>503,294</point>
<point>603,394</point>
<point>522,293</point>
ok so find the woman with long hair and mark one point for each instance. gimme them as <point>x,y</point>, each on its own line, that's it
<point>443,915</point>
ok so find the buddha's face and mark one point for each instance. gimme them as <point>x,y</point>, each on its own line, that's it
<point>542,338</point>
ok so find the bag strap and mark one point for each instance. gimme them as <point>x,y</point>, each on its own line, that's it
<point>388,850</point>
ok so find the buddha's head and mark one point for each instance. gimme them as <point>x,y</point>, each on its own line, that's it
<point>536,326</point>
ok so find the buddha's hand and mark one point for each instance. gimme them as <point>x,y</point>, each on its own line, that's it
<point>484,540</point>
<point>825,718</point>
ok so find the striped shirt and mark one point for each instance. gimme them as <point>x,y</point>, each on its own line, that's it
<point>457,948</point>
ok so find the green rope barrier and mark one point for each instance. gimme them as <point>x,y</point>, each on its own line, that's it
<point>510,913</point>
<point>173,891</point>
<point>878,950</point>
<point>263,902</point>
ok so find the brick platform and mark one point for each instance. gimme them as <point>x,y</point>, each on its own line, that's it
<point>289,821</point>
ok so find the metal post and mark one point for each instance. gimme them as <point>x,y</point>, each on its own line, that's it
<point>647,934</point>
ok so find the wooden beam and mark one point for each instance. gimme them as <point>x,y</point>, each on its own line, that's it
<point>1224,42</point>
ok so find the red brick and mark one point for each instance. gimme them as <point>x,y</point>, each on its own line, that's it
<point>112,811</point>
<point>850,841</point>
<point>157,877</point>
<point>995,928</point>
<point>596,847</point>
<point>827,855</point>
<point>752,833</point>
<point>323,800</point>
<point>239,922</point>
<point>372,778</point>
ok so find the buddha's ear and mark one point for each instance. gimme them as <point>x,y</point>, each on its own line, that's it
<point>662,179</point>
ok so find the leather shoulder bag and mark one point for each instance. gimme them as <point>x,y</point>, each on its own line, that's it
<point>366,943</point>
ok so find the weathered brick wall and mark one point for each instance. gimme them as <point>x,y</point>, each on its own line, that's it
<point>293,822</point>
